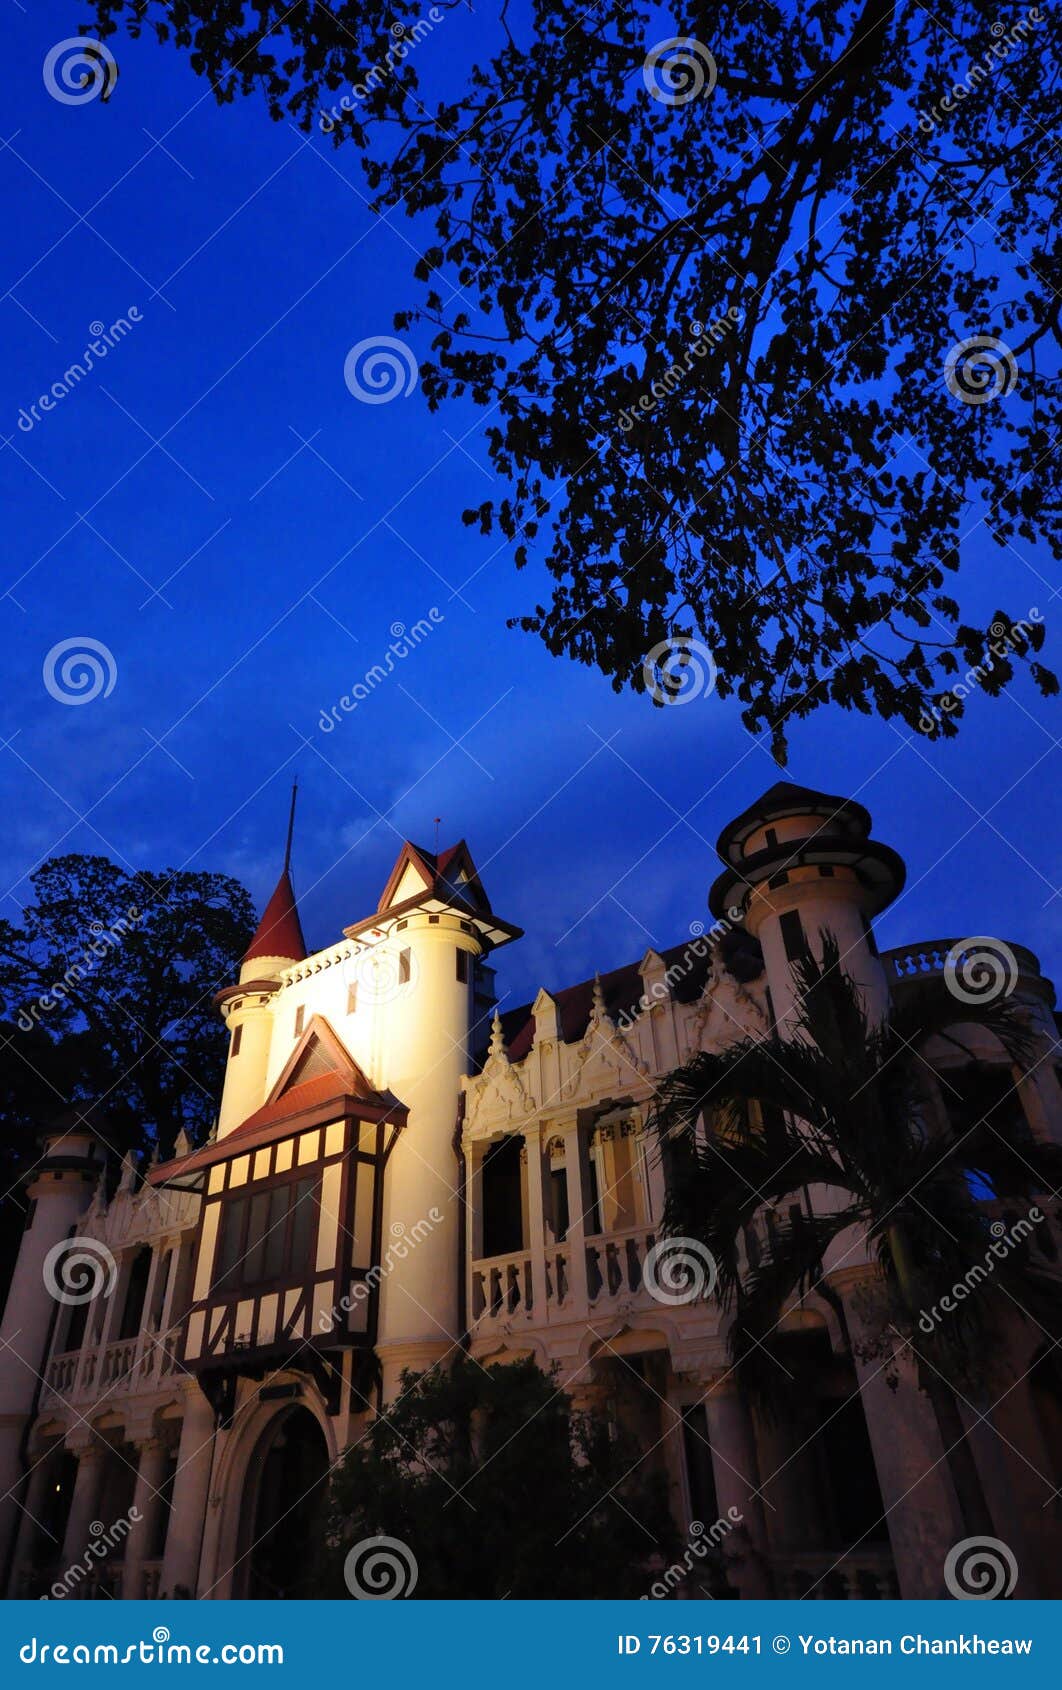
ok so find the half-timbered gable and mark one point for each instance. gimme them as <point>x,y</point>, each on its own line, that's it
<point>289,1228</point>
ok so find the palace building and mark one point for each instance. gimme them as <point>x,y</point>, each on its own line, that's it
<point>398,1171</point>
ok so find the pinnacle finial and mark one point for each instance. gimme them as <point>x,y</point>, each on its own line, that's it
<point>497,1037</point>
<point>599,997</point>
<point>291,825</point>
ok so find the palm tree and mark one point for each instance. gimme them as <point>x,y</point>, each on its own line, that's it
<point>838,1129</point>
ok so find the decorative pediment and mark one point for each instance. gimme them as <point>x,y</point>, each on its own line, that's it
<point>498,1089</point>
<point>604,1055</point>
<point>729,1010</point>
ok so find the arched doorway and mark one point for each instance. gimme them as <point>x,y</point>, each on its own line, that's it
<point>284,1499</point>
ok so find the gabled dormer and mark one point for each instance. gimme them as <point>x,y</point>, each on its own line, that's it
<point>434,883</point>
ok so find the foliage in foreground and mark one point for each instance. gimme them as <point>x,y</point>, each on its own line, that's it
<point>499,1488</point>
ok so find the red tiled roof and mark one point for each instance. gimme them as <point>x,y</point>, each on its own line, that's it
<point>311,1098</point>
<point>311,1094</point>
<point>623,988</point>
<point>279,931</point>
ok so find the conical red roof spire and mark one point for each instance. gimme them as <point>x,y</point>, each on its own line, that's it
<point>280,931</point>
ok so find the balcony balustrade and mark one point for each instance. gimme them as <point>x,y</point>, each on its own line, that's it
<point>503,1287</point>
<point>119,1369</point>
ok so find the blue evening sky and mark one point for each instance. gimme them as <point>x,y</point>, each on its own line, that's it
<point>241,533</point>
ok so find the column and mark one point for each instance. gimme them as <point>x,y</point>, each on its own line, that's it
<point>30,1514</point>
<point>77,1536</point>
<point>147,1502</point>
<point>908,1454</point>
<point>736,1474</point>
<point>191,1487</point>
<point>396,1359</point>
<point>536,1219</point>
<point>578,1176</point>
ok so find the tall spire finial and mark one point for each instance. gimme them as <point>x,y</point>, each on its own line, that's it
<point>291,825</point>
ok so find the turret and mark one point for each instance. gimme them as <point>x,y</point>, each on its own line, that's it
<point>801,863</point>
<point>247,1008</point>
<point>42,1290</point>
<point>417,968</point>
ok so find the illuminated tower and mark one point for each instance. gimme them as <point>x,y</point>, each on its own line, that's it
<point>801,864</point>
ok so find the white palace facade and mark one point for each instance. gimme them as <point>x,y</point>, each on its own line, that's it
<point>398,1171</point>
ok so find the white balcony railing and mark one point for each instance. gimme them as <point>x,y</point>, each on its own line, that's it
<point>503,1288</point>
<point>614,1263</point>
<point>126,1366</point>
